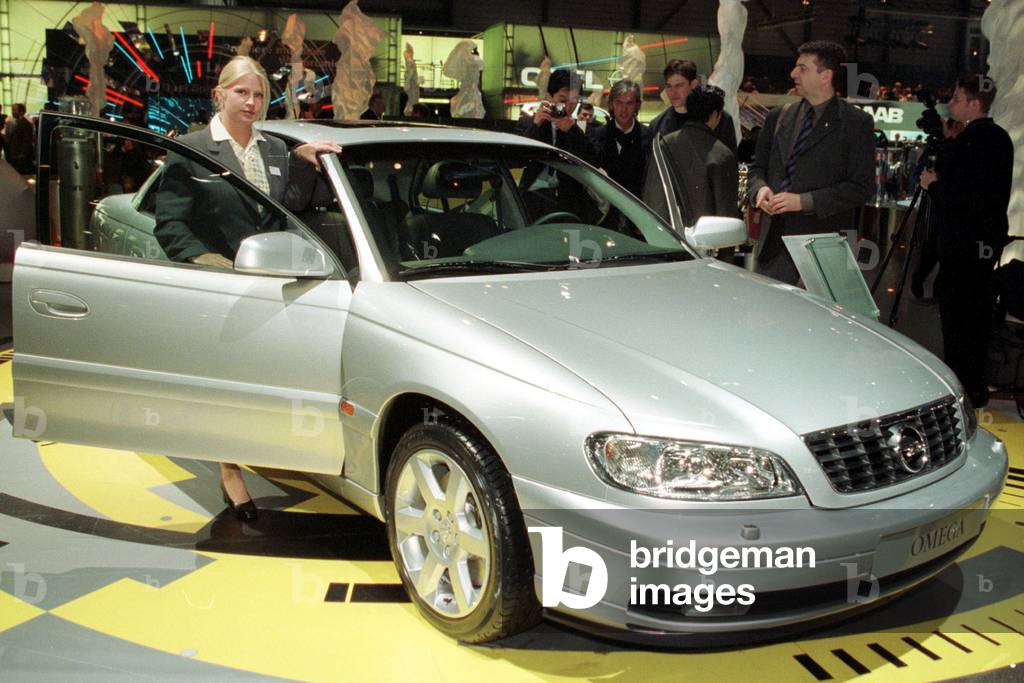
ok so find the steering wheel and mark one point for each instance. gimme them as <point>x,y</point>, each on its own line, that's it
<point>558,217</point>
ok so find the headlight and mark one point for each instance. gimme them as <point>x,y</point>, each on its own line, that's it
<point>970,417</point>
<point>689,471</point>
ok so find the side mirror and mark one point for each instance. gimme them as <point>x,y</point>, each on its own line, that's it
<point>282,254</point>
<point>717,232</point>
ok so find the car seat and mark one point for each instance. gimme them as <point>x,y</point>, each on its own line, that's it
<point>435,234</point>
<point>383,225</point>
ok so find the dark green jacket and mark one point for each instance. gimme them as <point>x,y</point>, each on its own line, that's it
<point>704,171</point>
<point>198,211</point>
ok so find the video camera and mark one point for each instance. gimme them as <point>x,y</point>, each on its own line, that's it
<point>930,121</point>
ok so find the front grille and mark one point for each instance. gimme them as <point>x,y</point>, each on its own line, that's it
<point>859,457</point>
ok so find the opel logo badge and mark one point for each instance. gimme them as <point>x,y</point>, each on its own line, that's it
<point>910,447</point>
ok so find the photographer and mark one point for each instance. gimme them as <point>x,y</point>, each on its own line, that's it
<point>553,122</point>
<point>970,188</point>
<point>544,190</point>
<point>941,133</point>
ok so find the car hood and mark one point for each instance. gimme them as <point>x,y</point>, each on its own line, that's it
<point>701,348</point>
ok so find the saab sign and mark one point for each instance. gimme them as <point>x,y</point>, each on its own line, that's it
<point>883,114</point>
<point>528,78</point>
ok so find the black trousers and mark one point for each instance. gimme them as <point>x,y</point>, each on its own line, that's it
<point>965,307</point>
<point>774,260</point>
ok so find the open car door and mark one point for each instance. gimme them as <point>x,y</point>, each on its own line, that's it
<point>666,203</point>
<point>118,346</point>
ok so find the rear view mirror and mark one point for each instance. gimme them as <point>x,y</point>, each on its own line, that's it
<point>717,232</point>
<point>282,254</point>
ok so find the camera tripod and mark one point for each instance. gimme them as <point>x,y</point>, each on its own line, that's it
<point>922,217</point>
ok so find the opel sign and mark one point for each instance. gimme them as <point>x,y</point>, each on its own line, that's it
<point>910,447</point>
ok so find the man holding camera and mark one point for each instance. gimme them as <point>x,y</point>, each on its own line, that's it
<point>553,121</point>
<point>545,190</point>
<point>970,189</point>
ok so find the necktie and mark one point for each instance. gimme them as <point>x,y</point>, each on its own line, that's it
<point>798,146</point>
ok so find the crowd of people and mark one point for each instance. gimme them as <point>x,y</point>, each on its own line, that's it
<point>812,166</point>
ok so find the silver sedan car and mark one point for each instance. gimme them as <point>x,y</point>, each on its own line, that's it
<point>554,400</point>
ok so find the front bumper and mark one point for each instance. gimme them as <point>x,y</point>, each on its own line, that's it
<point>862,555</point>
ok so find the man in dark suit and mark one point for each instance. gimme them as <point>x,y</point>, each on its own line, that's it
<point>375,108</point>
<point>814,164</point>
<point>970,192</point>
<point>704,169</point>
<point>20,141</point>
<point>622,144</point>
<point>680,80</point>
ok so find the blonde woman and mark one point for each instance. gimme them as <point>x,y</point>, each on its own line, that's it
<point>203,222</point>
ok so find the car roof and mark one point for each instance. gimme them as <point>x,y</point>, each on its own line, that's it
<point>388,132</point>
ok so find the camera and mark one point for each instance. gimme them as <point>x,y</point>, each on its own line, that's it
<point>556,109</point>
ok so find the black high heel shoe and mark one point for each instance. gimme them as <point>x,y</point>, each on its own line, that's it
<point>244,511</point>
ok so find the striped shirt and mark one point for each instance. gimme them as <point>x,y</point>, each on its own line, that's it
<point>249,157</point>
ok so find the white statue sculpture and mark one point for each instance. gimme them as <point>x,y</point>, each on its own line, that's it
<point>412,80</point>
<point>543,77</point>
<point>99,41</point>
<point>728,71</point>
<point>293,36</point>
<point>1003,25</point>
<point>357,38</point>
<point>633,62</point>
<point>464,65</point>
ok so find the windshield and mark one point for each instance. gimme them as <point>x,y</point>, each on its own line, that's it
<point>448,209</point>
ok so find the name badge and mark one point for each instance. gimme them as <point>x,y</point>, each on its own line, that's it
<point>274,170</point>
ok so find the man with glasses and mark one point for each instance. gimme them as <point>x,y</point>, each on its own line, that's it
<point>970,189</point>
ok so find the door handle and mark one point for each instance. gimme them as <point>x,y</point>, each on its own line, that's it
<point>57,304</point>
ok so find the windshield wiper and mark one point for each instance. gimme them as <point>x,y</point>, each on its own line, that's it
<point>478,267</point>
<point>655,257</point>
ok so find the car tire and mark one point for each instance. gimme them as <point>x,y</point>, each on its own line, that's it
<point>455,530</point>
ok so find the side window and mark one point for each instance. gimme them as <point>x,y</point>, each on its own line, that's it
<point>93,178</point>
<point>110,193</point>
<point>324,217</point>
